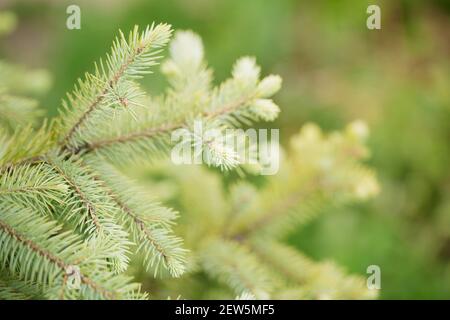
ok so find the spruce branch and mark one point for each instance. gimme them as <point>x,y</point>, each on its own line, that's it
<point>322,171</point>
<point>153,137</point>
<point>32,186</point>
<point>161,130</point>
<point>148,223</point>
<point>128,60</point>
<point>237,232</point>
<point>89,209</point>
<point>12,288</point>
<point>317,280</point>
<point>37,250</point>
<point>237,267</point>
<point>235,102</point>
<point>69,216</point>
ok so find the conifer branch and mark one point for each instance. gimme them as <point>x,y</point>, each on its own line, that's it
<point>12,288</point>
<point>150,133</point>
<point>236,235</point>
<point>234,265</point>
<point>89,206</point>
<point>128,59</point>
<point>89,202</point>
<point>166,128</point>
<point>288,202</point>
<point>304,186</point>
<point>32,186</point>
<point>45,244</point>
<point>314,276</point>
<point>69,216</point>
<point>147,222</point>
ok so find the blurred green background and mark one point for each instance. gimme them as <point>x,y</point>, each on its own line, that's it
<point>335,70</point>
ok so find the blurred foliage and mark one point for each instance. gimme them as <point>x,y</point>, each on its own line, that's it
<point>334,70</point>
<point>233,232</point>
